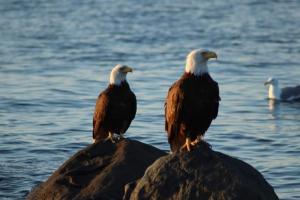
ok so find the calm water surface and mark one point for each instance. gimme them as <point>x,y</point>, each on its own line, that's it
<point>56,56</point>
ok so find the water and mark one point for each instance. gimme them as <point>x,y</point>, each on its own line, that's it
<point>56,57</point>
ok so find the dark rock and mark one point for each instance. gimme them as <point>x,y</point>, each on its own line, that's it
<point>201,174</point>
<point>100,171</point>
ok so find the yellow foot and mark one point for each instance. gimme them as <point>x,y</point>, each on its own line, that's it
<point>187,145</point>
<point>197,140</point>
<point>111,138</point>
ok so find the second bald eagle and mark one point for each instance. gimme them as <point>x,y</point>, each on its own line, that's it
<point>115,107</point>
<point>192,102</point>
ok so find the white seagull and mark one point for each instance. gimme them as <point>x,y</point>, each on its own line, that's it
<point>284,94</point>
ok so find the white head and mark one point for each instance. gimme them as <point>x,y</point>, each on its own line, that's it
<point>274,90</point>
<point>118,74</point>
<point>196,61</point>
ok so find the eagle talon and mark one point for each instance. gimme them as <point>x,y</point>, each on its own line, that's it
<point>187,145</point>
<point>111,138</point>
<point>197,141</point>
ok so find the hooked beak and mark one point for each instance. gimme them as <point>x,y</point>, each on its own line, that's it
<point>210,54</point>
<point>127,69</point>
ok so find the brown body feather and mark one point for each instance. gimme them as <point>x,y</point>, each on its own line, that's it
<point>114,111</point>
<point>191,105</point>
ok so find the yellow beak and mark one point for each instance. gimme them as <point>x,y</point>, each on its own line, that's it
<point>210,54</point>
<point>127,69</point>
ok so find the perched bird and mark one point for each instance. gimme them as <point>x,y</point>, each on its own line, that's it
<point>115,107</point>
<point>285,94</point>
<point>192,102</point>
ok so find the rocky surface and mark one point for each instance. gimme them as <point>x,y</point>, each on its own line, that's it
<point>99,171</point>
<point>115,171</point>
<point>200,174</point>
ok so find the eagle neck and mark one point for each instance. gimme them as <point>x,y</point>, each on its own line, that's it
<point>196,68</point>
<point>188,74</point>
<point>122,84</point>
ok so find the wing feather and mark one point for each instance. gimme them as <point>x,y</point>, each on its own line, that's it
<point>217,98</point>
<point>133,105</point>
<point>173,110</point>
<point>100,115</point>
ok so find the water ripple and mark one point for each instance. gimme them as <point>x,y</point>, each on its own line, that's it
<point>56,57</point>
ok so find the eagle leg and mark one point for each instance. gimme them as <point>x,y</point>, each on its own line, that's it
<point>110,137</point>
<point>187,144</point>
<point>197,140</point>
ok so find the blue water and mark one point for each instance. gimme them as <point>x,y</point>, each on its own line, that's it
<point>56,56</point>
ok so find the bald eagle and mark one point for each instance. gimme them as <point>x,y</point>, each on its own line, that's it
<point>192,102</point>
<point>115,107</point>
